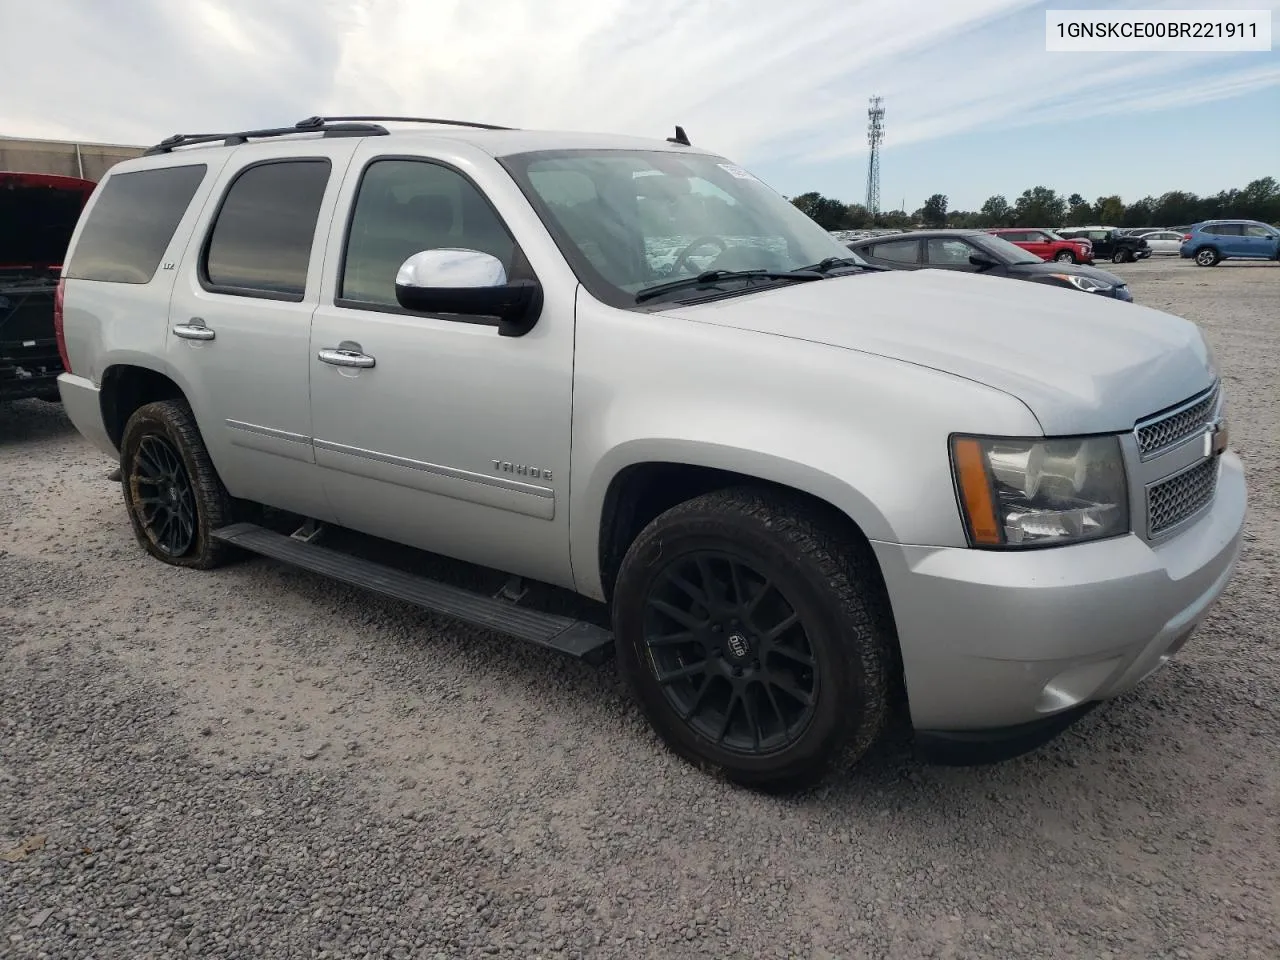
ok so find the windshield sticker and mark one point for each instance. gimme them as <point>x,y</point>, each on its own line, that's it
<point>736,171</point>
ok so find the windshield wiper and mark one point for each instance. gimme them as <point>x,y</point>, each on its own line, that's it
<point>835,263</point>
<point>712,277</point>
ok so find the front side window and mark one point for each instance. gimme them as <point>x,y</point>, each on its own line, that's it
<point>261,240</point>
<point>631,219</point>
<point>1257,230</point>
<point>949,252</point>
<point>132,222</point>
<point>404,207</point>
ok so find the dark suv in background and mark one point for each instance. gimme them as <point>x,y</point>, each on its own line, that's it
<point>38,214</point>
<point>1111,244</point>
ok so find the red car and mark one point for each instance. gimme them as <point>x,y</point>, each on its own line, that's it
<point>1046,244</point>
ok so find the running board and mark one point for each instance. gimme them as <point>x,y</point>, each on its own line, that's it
<point>577,638</point>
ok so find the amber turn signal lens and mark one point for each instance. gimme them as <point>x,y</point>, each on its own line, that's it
<point>975,491</point>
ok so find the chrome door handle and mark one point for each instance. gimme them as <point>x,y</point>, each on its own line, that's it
<point>196,330</point>
<point>345,358</point>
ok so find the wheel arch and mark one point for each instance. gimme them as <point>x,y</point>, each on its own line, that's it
<point>644,478</point>
<point>125,387</point>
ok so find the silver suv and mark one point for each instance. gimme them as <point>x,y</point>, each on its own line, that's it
<point>805,488</point>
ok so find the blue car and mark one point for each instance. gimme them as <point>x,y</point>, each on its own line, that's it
<point>1213,241</point>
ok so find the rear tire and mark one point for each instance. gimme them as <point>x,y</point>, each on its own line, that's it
<point>172,492</point>
<point>755,637</point>
<point>1207,257</point>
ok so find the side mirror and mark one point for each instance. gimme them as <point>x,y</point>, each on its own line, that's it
<point>982,262</point>
<point>471,284</point>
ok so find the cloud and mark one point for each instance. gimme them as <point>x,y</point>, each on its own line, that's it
<point>755,79</point>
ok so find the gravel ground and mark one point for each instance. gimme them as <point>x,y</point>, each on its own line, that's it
<point>258,763</point>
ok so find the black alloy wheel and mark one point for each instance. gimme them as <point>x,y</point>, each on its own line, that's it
<point>731,653</point>
<point>752,627</point>
<point>161,488</point>
<point>172,492</point>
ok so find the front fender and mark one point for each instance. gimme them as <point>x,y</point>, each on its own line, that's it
<point>864,433</point>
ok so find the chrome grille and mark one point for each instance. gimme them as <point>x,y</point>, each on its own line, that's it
<point>1176,425</point>
<point>1171,501</point>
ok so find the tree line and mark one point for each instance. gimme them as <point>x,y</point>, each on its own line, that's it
<point>1044,207</point>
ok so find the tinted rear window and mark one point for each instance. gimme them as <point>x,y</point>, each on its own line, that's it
<point>132,222</point>
<point>262,237</point>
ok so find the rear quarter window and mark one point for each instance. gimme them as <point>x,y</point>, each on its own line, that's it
<point>131,223</point>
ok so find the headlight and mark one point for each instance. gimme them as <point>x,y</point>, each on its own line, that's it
<point>1087,284</point>
<point>1031,493</point>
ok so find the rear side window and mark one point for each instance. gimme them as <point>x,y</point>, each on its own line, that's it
<point>260,243</point>
<point>898,251</point>
<point>1224,229</point>
<point>132,222</point>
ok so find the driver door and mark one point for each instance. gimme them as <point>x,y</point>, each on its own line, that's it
<point>444,435</point>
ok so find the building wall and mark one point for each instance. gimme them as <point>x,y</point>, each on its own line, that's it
<point>66,158</point>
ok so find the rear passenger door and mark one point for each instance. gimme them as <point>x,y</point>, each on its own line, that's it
<point>240,318</point>
<point>903,254</point>
<point>1228,238</point>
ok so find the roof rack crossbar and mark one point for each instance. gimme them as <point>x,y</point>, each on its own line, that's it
<point>313,125</point>
<point>441,122</point>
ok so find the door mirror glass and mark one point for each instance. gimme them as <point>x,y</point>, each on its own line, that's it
<point>468,283</point>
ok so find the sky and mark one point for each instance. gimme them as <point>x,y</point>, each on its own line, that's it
<point>974,104</point>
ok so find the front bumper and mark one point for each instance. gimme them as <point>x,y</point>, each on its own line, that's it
<point>81,402</point>
<point>1003,639</point>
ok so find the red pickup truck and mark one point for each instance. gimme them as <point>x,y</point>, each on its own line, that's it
<point>1046,244</point>
<point>38,213</point>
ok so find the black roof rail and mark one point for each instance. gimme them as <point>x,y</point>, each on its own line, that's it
<point>310,125</point>
<point>445,123</point>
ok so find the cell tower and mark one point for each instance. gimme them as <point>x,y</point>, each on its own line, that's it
<point>875,137</point>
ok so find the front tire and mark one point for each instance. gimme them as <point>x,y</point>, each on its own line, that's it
<point>1065,256</point>
<point>1207,257</point>
<point>756,639</point>
<point>172,492</point>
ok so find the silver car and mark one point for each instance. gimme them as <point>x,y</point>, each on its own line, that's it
<point>797,487</point>
<point>1163,242</point>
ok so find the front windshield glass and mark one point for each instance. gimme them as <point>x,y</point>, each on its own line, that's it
<point>1007,252</point>
<point>627,220</point>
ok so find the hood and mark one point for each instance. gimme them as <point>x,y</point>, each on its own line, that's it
<point>38,214</point>
<point>1082,364</point>
<point>1079,270</point>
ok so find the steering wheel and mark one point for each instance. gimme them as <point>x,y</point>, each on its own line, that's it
<point>681,263</point>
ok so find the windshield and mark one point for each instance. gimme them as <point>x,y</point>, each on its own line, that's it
<point>627,220</point>
<point>1007,252</point>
